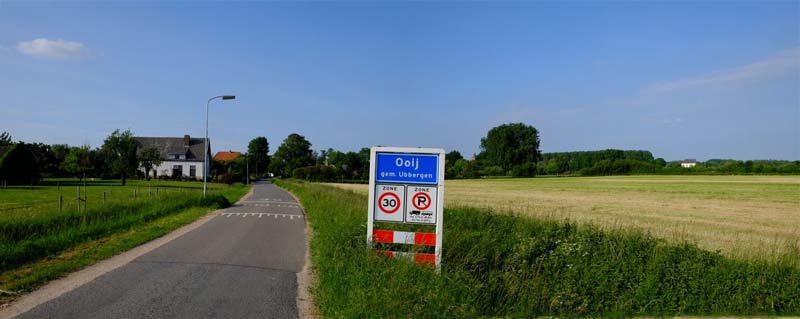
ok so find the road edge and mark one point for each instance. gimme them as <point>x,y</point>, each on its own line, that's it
<point>306,307</point>
<point>58,287</point>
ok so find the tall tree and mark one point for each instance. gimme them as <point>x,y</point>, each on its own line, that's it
<point>295,152</point>
<point>509,145</point>
<point>18,165</point>
<point>149,159</point>
<point>77,163</point>
<point>258,151</point>
<point>119,149</point>
<point>5,139</point>
<point>60,152</point>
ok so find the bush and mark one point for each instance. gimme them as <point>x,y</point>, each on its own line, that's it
<point>18,165</point>
<point>494,171</point>
<point>524,170</point>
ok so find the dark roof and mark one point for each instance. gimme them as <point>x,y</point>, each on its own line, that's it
<point>172,145</point>
<point>689,160</point>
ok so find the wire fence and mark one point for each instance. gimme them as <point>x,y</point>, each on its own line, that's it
<point>66,198</point>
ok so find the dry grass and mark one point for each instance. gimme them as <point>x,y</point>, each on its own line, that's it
<point>741,216</point>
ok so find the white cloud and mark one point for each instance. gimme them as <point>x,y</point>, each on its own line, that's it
<point>51,49</point>
<point>784,63</point>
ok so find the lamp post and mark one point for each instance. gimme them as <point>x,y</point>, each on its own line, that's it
<point>207,149</point>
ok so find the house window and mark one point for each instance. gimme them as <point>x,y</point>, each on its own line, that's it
<point>173,156</point>
<point>182,157</point>
<point>192,171</point>
<point>177,171</point>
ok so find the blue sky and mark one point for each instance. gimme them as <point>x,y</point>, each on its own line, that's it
<point>683,80</point>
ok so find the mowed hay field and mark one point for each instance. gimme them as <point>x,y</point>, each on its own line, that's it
<point>741,216</point>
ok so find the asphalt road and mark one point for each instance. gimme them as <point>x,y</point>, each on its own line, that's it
<point>240,264</point>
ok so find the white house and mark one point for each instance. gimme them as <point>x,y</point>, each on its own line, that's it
<point>180,157</point>
<point>688,163</point>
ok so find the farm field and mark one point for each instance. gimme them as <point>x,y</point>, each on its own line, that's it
<point>498,265</point>
<point>741,216</point>
<point>44,197</point>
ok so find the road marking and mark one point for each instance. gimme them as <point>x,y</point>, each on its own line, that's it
<point>260,215</point>
<point>270,205</point>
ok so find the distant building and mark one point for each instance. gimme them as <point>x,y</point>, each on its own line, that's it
<point>180,157</point>
<point>688,163</point>
<point>226,156</point>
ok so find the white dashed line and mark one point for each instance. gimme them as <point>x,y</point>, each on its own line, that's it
<point>260,215</point>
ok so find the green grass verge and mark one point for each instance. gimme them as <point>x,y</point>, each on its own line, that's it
<point>499,265</point>
<point>66,242</point>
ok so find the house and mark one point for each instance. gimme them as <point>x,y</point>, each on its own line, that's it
<point>180,157</point>
<point>226,156</point>
<point>688,163</point>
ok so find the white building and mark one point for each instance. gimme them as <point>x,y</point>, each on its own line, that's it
<point>688,163</point>
<point>180,157</point>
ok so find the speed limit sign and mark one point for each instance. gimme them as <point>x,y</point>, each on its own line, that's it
<point>389,204</point>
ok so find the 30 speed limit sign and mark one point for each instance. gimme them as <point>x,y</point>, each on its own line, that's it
<point>389,203</point>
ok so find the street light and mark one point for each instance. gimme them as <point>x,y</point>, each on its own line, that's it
<point>207,149</point>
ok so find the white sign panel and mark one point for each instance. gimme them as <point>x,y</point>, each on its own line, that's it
<point>421,204</point>
<point>389,202</point>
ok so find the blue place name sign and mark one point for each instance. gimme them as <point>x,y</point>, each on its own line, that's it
<point>407,168</point>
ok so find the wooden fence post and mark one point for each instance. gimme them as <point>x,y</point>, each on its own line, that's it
<point>60,202</point>
<point>104,198</point>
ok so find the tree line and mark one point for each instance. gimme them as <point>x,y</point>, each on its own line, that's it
<point>506,150</point>
<point>510,150</point>
<point>25,163</point>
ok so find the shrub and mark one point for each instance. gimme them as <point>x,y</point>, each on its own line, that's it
<point>18,165</point>
<point>524,170</point>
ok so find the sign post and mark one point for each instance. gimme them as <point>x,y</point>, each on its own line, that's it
<point>406,185</point>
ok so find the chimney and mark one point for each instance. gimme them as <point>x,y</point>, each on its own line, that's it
<point>186,140</point>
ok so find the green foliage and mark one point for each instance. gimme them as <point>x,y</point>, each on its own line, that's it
<point>524,170</point>
<point>18,165</point>
<point>258,154</point>
<point>5,139</point>
<point>464,169</point>
<point>149,159</point>
<point>77,163</point>
<point>119,149</point>
<point>294,152</point>
<point>505,266</point>
<point>509,145</point>
<point>494,171</point>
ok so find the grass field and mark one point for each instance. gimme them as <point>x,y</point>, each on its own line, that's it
<point>496,265</point>
<point>741,216</point>
<point>39,240</point>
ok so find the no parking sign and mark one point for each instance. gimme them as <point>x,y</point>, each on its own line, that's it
<point>406,185</point>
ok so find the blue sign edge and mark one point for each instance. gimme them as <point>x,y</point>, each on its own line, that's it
<point>379,180</point>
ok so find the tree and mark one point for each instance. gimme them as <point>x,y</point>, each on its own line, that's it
<point>77,163</point>
<point>295,152</point>
<point>5,139</point>
<point>119,149</point>
<point>149,158</point>
<point>509,145</point>
<point>60,152</point>
<point>258,151</point>
<point>18,165</point>
<point>44,158</point>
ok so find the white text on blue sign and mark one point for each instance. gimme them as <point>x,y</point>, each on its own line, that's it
<point>407,168</point>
